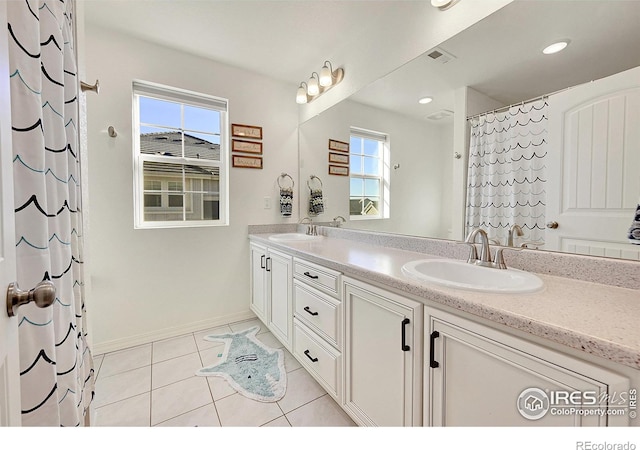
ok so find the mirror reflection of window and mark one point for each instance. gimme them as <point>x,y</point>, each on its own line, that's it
<point>368,157</point>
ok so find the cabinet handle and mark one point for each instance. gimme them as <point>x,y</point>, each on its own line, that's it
<point>432,350</point>
<point>306,308</point>
<point>306,352</point>
<point>267,265</point>
<point>405,347</point>
<point>262,262</point>
<point>315,277</point>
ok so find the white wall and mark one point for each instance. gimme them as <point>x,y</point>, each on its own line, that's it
<point>417,186</point>
<point>148,284</point>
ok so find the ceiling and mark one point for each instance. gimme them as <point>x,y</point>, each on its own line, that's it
<point>499,56</point>
<point>283,39</point>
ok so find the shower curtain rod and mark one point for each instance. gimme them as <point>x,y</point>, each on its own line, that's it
<point>539,97</point>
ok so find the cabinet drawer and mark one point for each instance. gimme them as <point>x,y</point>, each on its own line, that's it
<point>320,359</point>
<point>326,280</point>
<point>318,311</point>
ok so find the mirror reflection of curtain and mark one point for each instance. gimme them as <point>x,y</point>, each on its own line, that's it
<point>506,176</point>
<point>57,375</point>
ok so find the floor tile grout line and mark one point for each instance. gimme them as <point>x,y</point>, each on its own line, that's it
<point>310,401</point>
<point>151,388</point>
<point>184,413</point>
<point>125,371</point>
<point>215,407</point>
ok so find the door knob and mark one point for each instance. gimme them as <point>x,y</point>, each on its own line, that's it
<point>44,294</point>
<point>553,224</point>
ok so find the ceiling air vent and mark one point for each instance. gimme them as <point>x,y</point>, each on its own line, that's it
<point>442,114</point>
<point>439,55</point>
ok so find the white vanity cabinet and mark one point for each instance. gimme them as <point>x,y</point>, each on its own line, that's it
<point>271,291</point>
<point>317,324</point>
<point>475,375</point>
<point>383,356</point>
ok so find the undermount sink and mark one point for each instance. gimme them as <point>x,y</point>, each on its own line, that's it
<point>284,237</point>
<point>463,275</point>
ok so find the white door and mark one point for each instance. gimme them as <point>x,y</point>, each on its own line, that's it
<point>9,365</point>
<point>479,376</point>
<point>478,381</point>
<point>258,281</point>
<point>594,167</point>
<point>281,298</point>
<point>382,355</point>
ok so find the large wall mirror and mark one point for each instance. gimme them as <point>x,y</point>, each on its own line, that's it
<point>493,64</point>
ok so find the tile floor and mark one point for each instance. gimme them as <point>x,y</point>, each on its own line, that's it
<point>154,385</point>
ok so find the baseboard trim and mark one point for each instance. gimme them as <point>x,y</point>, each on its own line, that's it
<point>145,338</point>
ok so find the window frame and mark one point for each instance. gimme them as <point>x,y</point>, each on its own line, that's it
<point>384,172</point>
<point>190,98</point>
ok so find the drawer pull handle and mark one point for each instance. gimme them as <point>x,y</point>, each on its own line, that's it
<point>306,308</point>
<point>405,347</point>
<point>314,277</point>
<point>432,350</point>
<point>306,352</point>
<point>262,266</point>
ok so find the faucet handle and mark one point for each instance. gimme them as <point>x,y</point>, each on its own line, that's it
<point>473,253</point>
<point>498,259</point>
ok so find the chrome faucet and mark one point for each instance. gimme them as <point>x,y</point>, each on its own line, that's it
<point>485,252</point>
<point>336,223</point>
<point>518,230</point>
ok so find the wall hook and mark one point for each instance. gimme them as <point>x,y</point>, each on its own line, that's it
<point>87,87</point>
<point>112,132</point>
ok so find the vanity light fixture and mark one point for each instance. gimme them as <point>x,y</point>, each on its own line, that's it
<point>425,100</point>
<point>555,47</point>
<point>318,84</point>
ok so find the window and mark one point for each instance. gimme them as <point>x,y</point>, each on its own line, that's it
<point>180,158</point>
<point>369,174</point>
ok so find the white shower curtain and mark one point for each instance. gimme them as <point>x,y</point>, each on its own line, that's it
<point>506,176</point>
<point>55,362</point>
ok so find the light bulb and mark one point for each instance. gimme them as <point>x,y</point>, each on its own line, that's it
<point>326,77</point>
<point>301,96</point>
<point>312,86</point>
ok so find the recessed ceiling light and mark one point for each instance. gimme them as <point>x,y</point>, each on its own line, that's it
<point>425,100</point>
<point>440,3</point>
<point>555,47</point>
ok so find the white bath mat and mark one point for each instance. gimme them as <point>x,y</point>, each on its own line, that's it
<point>251,368</point>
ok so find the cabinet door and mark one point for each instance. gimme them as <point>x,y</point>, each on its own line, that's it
<point>382,357</point>
<point>479,376</point>
<point>258,281</point>
<point>280,280</point>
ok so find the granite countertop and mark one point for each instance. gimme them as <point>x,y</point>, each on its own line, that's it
<point>598,319</point>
